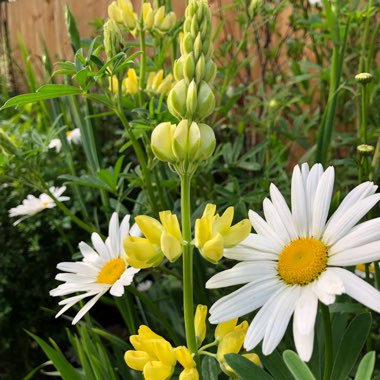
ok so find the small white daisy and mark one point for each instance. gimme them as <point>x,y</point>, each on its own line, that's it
<point>72,136</point>
<point>56,144</point>
<point>315,2</point>
<point>293,260</point>
<point>103,268</point>
<point>33,205</point>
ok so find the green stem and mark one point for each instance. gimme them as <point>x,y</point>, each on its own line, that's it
<point>142,65</point>
<point>188,306</point>
<point>363,124</point>
<point>328,342</point>
<point>364,57</point>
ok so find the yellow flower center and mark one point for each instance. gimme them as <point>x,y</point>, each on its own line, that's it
<point>302,261</point>
<point>111,271</point>
<point>45,203</point>
<point>69,133</point>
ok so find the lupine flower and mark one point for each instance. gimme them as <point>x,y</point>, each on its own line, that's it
<point>200,323</point>
<point>103,268</point>
<point>153,355</point>
<point>33,205</point>
<point>213,233</point>
<point>161,240</point>
<point>294,259</point>
<point>157,84</point>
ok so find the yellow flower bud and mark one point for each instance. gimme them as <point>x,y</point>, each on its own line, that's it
<point>178,68</point>
<point>186,140</point>
<point>232,342</point>
<point>200,323</point>
<point>191,98</point>
<point>166,85</point>
<point>177,100</point>
<point>206,101</point>
<point>189,374</point>
<point>164,351</point>
<point>156,370</point>
<point>147,15</point>
<point>162,142</point>
<point>115,13</point>
<point>171,238</point>
<point>208,142</point>
<point>225,327</point>
<point>213,249</point>
<point>159,16</point>
<point>150,227</point>
<point>129,16</point>
<point>137,359</point>
<point>237,233</point>
<point>183,355</point>
<point>131,82</point>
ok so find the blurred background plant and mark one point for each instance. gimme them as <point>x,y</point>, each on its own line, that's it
<point>286,93</point>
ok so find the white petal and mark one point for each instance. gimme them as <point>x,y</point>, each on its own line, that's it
<point>359,255</point>
<point>305,311</point>
<point>261,243</point>
<point>274,220</point>
<point>100,246</point>
<point>263,228</point>
<point>330,283</point>
<point>321,204</point>
<point>305,172</point>
<point>124,230</point>
<point>299,204</point>
<point>86,308</point>
<point>364,233</point>
<point>135,231</point>
<point>75,278</point>
<point>304,343</point>
<point>244,300</point>
<point>283,211</point>
<point>78,267</point>
<point>343,225</point>
<point>241,273</point>
<point>248,254</point>
<point>74,299</point>
<point>66,288</point>
<point>127,277</point>
<point>117,289</point>
<point>279,319</point>
<point>114,235</point>
<point>87,252</point>
<point>358,289</point>
<point>359,192</point>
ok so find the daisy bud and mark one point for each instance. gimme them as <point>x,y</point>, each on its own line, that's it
<point>225,327</point>
<point>148,16</point>
<point>365,149</point>
<point>191,98</point>
<point>206,101</point>
<point>363,78</point>
<point>200,323</point>
<point>186,140</point>
<point>177,100</point>
<point>162,142</point>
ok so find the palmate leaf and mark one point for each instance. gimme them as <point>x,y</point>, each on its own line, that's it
<point>66,370</point>
<point>48,91</point>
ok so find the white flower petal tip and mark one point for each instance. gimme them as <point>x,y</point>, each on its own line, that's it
<point>292,260</point>
<point>103,268</point>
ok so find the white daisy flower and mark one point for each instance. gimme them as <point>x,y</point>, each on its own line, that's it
<point>33,205</point>
<point>72,136</point>
<point>102,268</point>
<point>56,144</point>
<point>293,260</point>
<point>315,2</point>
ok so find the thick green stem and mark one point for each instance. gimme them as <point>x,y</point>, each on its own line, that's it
<point>142,66</point>
<point>188,306</point>
<point>328,342</point>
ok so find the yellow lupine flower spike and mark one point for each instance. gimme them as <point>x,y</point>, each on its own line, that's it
<point>213,233</point>
<point>200,323</point>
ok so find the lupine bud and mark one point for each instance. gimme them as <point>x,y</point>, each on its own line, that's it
<point>206,101</point>
<point>113,39</point>
<point>178,68</point>
<point>186,140</point>
<point>210,71</point>
<point>191,98</point>
<point>115,13</point>
<point>159,16</point>
<point>131,82</point>
<point>177,100</point>
<point>162,142</point>
<point>208,142</point>
<point>188,43</point>
<point>189,67</point>
<point>148,16</point>
<point>197,47</point>
<point>194,27</point>
<point>200,69</point>
<point>166,85</point>
<point>200,323</point>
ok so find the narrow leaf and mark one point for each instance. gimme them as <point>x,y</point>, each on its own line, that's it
<point>297,367</point>
<point>366,366</point>
<point>245,369</point>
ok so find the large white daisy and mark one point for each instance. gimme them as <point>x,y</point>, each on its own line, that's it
<point>32,205</point>
<point>293,260</point>
<point>103,268</point>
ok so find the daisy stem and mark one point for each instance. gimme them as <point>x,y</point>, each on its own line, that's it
<point>328,342</point>
<point>188,306</point>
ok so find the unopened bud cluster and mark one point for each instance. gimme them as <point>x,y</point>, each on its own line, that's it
<point>191,99</point>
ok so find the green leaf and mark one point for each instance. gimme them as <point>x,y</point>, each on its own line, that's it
<point>276,366</point>
<point>366,366</point>
<point>297,367</point>
<point>72,29</point>
<point>350,346</point>
<point>66,370</point>
<point>86,180</point>
<point>245,369</point>
<point>48,91</point>
<point>210,368</point>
